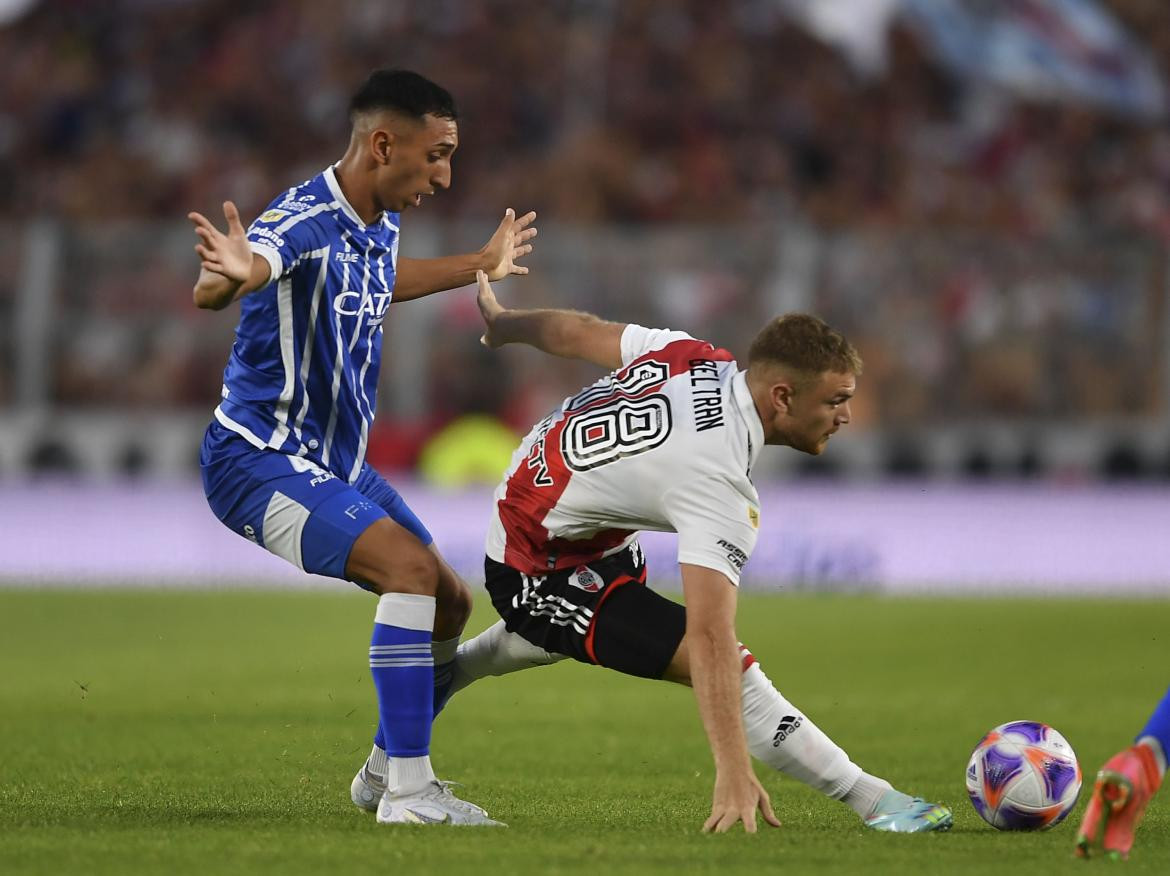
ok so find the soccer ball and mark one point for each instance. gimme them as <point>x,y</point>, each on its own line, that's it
<point>1023,775</point>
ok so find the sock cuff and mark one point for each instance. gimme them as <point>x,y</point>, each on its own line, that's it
<point>846,777</point>
<point>409,611</point>
<point>444,651</point>
<point>376,762</point>
<point>746,660</point>
<point>865,792</point>
<point>407,775</point>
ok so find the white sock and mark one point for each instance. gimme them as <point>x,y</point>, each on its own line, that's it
<point>406,775</point>
<point>495,651</point>
<point>376,764</point>
<point>444,651</point>
<point>783,737</point>
<point>870,791</point>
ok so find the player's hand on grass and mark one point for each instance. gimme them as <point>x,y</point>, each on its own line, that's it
<point>489,309</point>
<point>228,255</point>
<point>509,243</point>
<point>737,798</point>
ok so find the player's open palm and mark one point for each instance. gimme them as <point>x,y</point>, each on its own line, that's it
<point>738,798</point>
<point>508,243</point>
<point>226,254</point>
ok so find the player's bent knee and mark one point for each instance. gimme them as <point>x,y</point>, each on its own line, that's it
<point>415,574</point>
<point>402,576</point>
<point>388,559</point>
<point>456,603</point>
<point>454,596</point>
<point>452,610</point>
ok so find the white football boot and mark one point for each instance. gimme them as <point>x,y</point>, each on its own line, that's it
<point>367,788</point>
<point>434,804</point>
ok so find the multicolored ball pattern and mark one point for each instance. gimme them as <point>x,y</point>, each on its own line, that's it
<point>1023,775</point>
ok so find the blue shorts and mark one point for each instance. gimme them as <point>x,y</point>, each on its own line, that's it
<point>293,507</point>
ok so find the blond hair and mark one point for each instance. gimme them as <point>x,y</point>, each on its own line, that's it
<point>803,343</point>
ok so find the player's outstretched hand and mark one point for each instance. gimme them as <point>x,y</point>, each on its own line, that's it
<point>738,798</point>
<point>489,309</point>
<point>228,255</point>
<point>509,243</point>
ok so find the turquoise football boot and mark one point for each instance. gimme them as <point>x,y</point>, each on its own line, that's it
<point>894,814</point>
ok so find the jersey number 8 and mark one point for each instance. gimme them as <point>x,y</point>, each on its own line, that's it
<point>622,428</point>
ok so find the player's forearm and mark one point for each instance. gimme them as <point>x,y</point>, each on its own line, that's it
<point>215,291</point>
<point>715,677</point>
<point>713,651</point>
<point>417,278</point>
<point>562,333</point>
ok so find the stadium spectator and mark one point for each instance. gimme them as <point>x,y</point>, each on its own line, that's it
<point>958,209</point>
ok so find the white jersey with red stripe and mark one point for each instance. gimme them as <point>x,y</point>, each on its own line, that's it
<point>666,443</point>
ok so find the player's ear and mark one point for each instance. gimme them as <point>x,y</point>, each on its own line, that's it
<point>782,394</point>
<point>381,145</point>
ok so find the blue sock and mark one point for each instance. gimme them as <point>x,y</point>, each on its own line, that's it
<point>1159,725</point>
<point>444,657</point>
<point>403,671</point>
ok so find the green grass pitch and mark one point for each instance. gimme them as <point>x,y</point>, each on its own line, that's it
<point>217,732</point>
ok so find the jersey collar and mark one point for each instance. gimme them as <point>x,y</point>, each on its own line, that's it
<point>747,410</point>
<point>330,175</point>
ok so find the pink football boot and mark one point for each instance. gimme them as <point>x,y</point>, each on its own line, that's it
<point>1124,786</point>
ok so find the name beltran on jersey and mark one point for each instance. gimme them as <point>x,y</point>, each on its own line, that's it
<point>706,394</point>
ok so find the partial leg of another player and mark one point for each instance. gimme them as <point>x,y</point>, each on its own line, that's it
<point>392,562</point>
<point>495,651</point>
<point>1123,789</point>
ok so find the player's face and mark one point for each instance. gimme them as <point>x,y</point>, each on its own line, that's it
<point>809,413</point>
<point>420,163</point>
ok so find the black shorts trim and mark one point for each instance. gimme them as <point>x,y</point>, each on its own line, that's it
<point>601,612</point>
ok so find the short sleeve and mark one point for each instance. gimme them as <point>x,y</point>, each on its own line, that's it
<point>638,340</point>
<point>716,523</point>
<point>281,237</point>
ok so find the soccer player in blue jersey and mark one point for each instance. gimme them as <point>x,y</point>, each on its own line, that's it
<point>283,461</point>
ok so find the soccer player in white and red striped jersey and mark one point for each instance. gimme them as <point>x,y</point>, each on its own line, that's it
<point>667,442</point>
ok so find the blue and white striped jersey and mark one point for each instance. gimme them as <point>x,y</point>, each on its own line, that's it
<point>303,373</point>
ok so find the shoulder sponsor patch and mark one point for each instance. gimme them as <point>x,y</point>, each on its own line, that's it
<point>294,206</point>
<point>268,234</point>
<point>272,215</point>
<point>736,555</point>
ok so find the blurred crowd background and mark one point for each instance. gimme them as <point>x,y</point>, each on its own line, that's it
<point>992,234</point>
